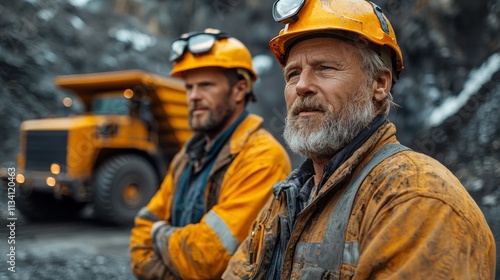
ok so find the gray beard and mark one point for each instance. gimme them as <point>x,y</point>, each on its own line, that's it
<point>335,130</point>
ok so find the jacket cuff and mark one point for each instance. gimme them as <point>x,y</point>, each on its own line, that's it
<point>160,235</point>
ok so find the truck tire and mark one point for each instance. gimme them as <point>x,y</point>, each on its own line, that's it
<point>122,186</point>
<point>40,206</point>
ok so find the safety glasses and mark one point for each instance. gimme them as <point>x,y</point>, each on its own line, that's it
<point>196,43</point>
<point>285,11</point>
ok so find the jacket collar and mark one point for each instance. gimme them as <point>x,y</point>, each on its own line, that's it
<point>345,153</point>
<point>296,179</point>
<point>385,134</point>
<point>240,137</point>
<point>237,142</point>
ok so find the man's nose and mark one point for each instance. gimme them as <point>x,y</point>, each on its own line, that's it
<point>306,84</point>
<point>193,94</point>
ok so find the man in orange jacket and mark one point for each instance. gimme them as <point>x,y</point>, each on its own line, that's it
<point>361,206</point>
<point>223,175</point>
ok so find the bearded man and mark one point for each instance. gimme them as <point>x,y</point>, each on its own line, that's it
<point>362,206</point>
<point>221,178</point>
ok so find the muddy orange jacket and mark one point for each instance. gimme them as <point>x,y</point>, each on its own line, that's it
<point>411,219</point>
<point>240,183</point>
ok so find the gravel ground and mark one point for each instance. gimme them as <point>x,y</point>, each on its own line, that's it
<point>76,249</point>
<point>69,264</point>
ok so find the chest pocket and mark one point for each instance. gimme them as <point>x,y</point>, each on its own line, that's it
<point>267,238</point>
<point>324,260</point>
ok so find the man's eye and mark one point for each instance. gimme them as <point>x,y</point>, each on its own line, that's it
<point>325,67</point>
<point>291,75</point>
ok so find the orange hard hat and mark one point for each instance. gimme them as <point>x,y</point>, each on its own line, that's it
<point>210,48</point>
<point>351,19</point>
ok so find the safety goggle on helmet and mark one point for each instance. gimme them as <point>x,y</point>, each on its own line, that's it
<point>210,48</point>
<point>195,43</point>
<point>350,19</point>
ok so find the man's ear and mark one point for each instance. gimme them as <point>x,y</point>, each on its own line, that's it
<point>382,86</point>
<point>240,90</point>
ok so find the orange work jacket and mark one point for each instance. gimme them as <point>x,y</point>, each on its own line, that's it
<point>239,184</point>
<point>411,219</point>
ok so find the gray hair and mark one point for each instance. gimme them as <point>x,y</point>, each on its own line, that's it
<point>373,65</point>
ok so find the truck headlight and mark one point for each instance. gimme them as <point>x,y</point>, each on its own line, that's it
<point>55,168</point>
<point>51,181</point>
<point>20,178</point>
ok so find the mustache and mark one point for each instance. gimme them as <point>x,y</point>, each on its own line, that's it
<point>308,104</point>
<point>196,105</point>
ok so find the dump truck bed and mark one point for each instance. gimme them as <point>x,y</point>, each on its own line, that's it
<point>167,96</point>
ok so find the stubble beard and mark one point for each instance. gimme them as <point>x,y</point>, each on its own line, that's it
<point>216,119</point>
<point>321,137</point>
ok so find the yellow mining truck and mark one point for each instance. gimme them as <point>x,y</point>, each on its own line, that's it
<point>112,157</point>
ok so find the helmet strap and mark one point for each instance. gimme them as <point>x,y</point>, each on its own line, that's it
<point>244,73</point>
<point>387,58</point>
<point>246,76</point>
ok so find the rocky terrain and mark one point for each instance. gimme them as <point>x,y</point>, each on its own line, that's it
<point>449,93</point>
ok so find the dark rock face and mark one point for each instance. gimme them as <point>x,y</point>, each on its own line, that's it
<point>449,92</point>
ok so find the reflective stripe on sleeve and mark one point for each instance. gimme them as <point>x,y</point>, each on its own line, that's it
<point>222,230</point>
<point>351,253</point>
<point>147,215</point>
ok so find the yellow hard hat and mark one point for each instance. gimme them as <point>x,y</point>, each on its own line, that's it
<point>211,48</point>
<point>351,19</point>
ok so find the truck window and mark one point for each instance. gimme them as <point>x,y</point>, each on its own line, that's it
<point>110,105</point>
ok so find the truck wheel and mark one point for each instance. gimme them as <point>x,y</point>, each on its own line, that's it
<point>39,206</point>
<point>122,186</point>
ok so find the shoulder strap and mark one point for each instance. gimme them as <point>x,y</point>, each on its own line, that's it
<point>335,250</point>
